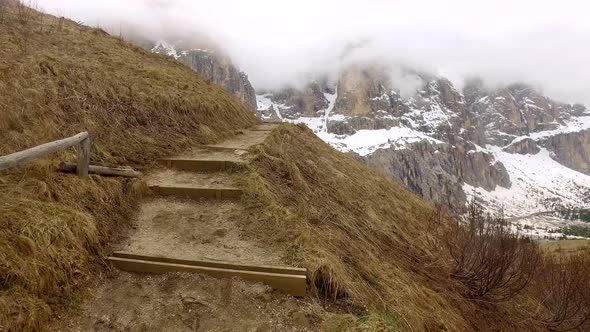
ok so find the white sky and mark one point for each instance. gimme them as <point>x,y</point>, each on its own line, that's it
<point>542,42</point>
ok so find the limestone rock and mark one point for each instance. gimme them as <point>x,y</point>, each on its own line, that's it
<point>437,171</point>
<point>306,102</point>
<point>571,150</point>
<point>523,146</point>
<point>220,70</point>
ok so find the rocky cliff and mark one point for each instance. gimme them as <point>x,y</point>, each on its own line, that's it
<point>437,171</point>
<point>216,67</point>
<point>570,149</point>
<point>308,101</point>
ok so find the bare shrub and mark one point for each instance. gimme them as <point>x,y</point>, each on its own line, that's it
<point>490,260</point>
<point>562,286</point>
<point>23,13</point>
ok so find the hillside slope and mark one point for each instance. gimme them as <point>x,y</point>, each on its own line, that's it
<point>59,78</point>
<point>367,241</point>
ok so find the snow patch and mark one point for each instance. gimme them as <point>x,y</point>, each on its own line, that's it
<point>365,142</point>
<point>168,49</point>
<point>539,184</point>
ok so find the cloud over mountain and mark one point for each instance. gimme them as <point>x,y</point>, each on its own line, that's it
<point>279,42</point>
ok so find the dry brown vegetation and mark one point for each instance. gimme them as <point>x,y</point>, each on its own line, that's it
<point>493,263</point>
<point>58,78</point>
<point>562,288</point>
<point>370,244</point>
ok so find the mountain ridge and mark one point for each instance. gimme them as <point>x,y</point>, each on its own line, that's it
<point>445,142</point>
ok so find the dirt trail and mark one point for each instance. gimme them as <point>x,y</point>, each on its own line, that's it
<point>204,229</point>
<point>188,302</point>
<point>169,177</point>
<point>186,229</point>
<point>243,140</point>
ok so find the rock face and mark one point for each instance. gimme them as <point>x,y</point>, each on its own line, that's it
<point>217,68</point>
<point>523,146</point>
<point>306,102</point>
<point>437,171</point>
<point>423,171</point>
<point>571,150</point>
<point>515,111</point>
<point>220,70</point>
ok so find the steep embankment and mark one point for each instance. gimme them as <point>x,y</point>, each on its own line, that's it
<point>367,241</point>
<point>59,78</point>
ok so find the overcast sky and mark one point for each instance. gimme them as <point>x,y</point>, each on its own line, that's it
<point>546,43</point>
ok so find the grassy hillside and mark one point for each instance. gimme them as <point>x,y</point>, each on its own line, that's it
<point>58,78</point>
<point>369,243</point>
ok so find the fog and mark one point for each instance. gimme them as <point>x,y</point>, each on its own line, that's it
<point>540,42</point>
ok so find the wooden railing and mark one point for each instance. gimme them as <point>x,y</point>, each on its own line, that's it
<point>82,140</point>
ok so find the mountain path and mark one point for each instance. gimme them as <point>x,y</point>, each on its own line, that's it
<point>192,219</point>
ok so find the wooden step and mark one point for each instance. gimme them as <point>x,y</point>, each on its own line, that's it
<point>215,264</point>
<point>266,127</point>
<point>293,284</point>
<point>197,192</point>
<point>201,165</point>
<point>243,141</point>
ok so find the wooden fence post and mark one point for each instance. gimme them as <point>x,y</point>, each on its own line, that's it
<point>83,157</point>
<point>82,140</point>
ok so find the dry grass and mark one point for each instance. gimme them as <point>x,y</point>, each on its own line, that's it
<point>366,241</point>
<point>58,78</point>
<point>566,246</point>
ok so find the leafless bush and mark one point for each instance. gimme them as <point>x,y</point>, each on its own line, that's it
<point>23,13</point>
<point>563,288</point>
<point>490,260</point>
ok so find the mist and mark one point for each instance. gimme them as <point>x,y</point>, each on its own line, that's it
<point>543,43</point>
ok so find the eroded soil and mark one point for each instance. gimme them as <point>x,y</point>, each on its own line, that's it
<point>188,302</point>
<point>196,230</point>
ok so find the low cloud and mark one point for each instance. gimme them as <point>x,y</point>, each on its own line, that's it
<point>543,43</point>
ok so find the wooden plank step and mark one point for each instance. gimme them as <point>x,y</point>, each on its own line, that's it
<point>243,141</point>
<point>203,165</point>
<point>221,148</point>
<point>197,192</point>
<point>289,283</point>
<point>216,264</point>
<point>266,127</point>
